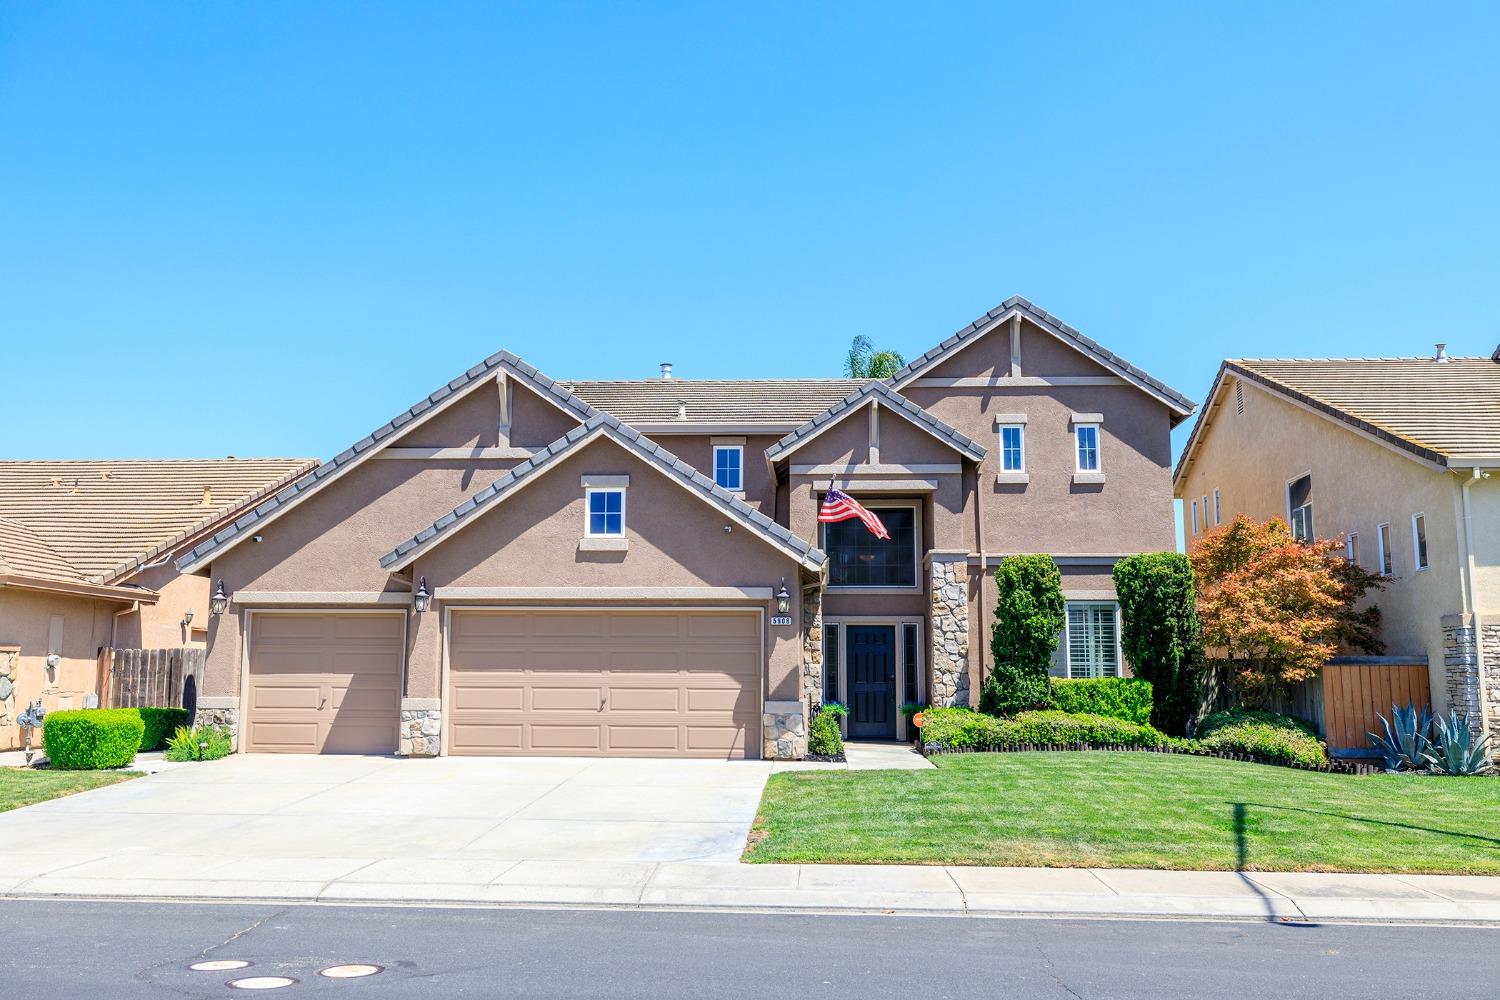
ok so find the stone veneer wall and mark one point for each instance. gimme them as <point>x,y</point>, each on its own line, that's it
<point>421,727</point>
<point>1468,692</point>
<point>948,580</point>
<point>784,731</point>
<point>812,647</point>
<point>219,711</point>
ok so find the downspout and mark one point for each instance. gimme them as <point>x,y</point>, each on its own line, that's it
<point>979,543</point>
<point>114,624</point>
<point>1470,609</point>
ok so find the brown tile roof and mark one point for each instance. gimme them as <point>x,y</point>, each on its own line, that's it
<point>1438,410</point>
<point>104,518</point>
<point>24,553</point>
<point>783,402</point>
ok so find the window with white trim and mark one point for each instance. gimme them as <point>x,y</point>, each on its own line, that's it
<point>1013,448</point>
<point>1218,517</point>
<point>1300,508</point>
<point>1093,639</point>
<point>1383,537</point>
<point>605,516</point>
<point>1195,517</point>
<point>1087,438</point>
<point>729,466</point>
<point>1419,540</point>
<point>1351,547</point>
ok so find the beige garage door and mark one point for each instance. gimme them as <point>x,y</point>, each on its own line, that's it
<point>608,683</point>
<point>323,683</point>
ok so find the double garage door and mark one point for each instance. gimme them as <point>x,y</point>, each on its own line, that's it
<point>571,682</point>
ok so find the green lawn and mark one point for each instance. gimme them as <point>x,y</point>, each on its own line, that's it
<point>1129,810</point>
<point>21,787</point>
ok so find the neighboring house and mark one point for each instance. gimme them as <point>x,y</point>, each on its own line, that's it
<point>517,565</point>
<point>1394,457</point>
<point>86,552</point>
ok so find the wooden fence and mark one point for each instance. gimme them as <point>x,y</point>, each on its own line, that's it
<point>1344,700</point>
<point>137,678</point>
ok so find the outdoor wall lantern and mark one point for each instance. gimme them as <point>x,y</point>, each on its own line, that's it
<point>783,600</point>
<point>219,602</point>
<point>422,597</point>
<point>187,618</point>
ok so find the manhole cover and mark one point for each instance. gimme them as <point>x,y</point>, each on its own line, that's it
<point>350,971</point>
<point>261,983</point>
<point>219,965</point>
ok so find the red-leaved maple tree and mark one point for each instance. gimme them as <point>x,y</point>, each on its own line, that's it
<point>1274,609</point>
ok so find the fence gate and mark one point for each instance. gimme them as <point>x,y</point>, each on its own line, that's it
<point>150,677</point>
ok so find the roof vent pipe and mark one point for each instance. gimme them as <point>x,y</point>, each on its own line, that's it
<point>666,371</point>
<point>1442,353</point>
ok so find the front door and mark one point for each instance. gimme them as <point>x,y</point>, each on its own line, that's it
<point>871,650</point>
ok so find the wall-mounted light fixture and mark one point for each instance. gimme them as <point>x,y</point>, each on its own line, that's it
<point>218,603</point>
<point>783,599</point>
<point>422,597</point>
<point>187,618</point>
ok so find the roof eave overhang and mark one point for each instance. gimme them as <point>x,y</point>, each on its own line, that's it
<point>80,588</point>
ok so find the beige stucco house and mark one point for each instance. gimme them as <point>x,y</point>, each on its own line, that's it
<point>517,565</point>
<point>86,562</point>
<point>1392,455</point>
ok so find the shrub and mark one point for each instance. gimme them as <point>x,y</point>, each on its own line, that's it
<point>960,727</point>
<point>205,743</point>
<point>1127,698</point>
<point>92,739</point>
<point>1275,737</point>
<point>160,723</point>
<point>1028,619</point>
<point>1160,634</point>
<point>823,737</point>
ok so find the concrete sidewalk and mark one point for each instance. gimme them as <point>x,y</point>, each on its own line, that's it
<point>1294,896</point>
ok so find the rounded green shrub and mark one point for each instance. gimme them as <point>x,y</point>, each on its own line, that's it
<point>1262,734</point>
<point>823,737</point>
<point>92,739</point>
<point>161,723</point>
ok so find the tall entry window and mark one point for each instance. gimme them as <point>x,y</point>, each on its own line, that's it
<point>856,558</point>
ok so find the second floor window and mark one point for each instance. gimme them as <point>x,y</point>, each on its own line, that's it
<point>606,515</point>
<point>856,558</point>
<point>1218,517</point>
<point>1383,536</point>
<point>1195,517</point>
<point>1012,448</point>
<point>1300,508</point>
<point>1088,447</point>
<point>1351,547</point>
<point>1419,539</point>
<point>729,465</point>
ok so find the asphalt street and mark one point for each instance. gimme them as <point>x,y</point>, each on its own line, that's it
<point>124,950</point>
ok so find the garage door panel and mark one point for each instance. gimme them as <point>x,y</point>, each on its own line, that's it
<point>604,682</point>
<point>324,683</point>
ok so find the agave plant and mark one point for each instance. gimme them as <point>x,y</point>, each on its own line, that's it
<point>1405,745</point>
<point>1457,752</point>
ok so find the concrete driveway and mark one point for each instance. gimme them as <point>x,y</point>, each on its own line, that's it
<point>294,824</point>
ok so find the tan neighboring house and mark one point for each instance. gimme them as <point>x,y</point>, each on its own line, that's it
<point>517,565</point>
<point>86,551</point>
<point>1392,455</point>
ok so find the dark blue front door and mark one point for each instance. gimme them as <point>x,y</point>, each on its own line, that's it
<point>871,650</point>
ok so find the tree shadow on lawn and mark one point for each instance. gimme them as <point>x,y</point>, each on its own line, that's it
<point>1242,859</point>
<point>1240,806</point>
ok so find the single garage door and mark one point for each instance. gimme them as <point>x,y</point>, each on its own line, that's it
<point>605,683</point>
<point>324,683</point>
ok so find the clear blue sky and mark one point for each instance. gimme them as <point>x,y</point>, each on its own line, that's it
<point>263,229</point>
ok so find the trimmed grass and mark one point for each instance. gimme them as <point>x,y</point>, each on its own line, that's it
<point>21,787</point>
<point>1129,810</point>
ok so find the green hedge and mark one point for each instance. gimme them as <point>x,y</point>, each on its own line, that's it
<point>92,739</point>
<point>961,727</point>
<point>1127,698</point>
<point>160,723</point>
<point>1263,734</point>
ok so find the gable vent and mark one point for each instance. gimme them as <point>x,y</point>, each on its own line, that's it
<point>1239,398</point>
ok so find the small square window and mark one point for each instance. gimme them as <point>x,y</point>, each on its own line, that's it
<point>729,466</point>
<point>606,513</point>
<point>1088,447</point>
<point>1013,448</point>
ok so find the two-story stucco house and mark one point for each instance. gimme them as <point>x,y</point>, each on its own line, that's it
<point>1393,456</point>
<point>518,565</point>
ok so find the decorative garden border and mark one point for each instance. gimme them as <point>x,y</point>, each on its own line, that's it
<point>1332,767</point>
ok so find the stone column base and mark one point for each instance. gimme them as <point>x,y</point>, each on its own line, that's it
<point>948,650</point>
<point>784,731</point>
<point>421,727</point>
<point>221,711</point>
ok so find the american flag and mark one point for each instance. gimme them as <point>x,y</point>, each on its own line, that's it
<point>840,506</point>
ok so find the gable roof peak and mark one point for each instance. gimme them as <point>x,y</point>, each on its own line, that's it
<point>897,403</point>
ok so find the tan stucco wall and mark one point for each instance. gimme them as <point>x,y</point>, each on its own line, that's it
<point>697,451</point>
<point>1484,510</point>
<point>159,625</point>
<point>1357,485</point>
<point>25,621</point>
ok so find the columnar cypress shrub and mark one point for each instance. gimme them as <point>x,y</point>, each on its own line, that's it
<point>1028,618</point>
<point>1160,633</point>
